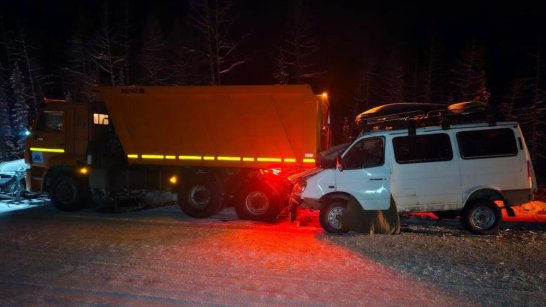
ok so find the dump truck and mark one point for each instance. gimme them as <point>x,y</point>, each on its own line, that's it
<point>209,146</point>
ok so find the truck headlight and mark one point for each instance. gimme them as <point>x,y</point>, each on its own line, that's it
<point>299,187</point>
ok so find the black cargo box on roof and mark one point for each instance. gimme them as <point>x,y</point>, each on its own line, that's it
<point>401,109</point>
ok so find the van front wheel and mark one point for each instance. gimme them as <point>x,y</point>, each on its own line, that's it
<point>330,217</point>
<point>482,217</point>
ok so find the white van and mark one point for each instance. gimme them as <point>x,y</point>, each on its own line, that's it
<point>473,169</point>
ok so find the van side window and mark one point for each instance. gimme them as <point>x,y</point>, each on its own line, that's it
<point>365,153</point>
<point>422,148</point>
<point>51,121</point>
<point>487,143</point>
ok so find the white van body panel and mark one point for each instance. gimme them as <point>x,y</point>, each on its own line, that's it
<point>370,186</point>
<point>426,186</point>
<point>431,186</point>
<point>320,184</point>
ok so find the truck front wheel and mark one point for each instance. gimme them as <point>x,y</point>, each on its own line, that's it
<point>200,197</point>
<point>67,194</point>
<point>258,201</point>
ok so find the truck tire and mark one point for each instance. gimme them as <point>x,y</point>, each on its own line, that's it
<point>67,194</point>
<point>330,216</point>
<point>258,201</point>
<point>200,196</point>
<point>482,216</point>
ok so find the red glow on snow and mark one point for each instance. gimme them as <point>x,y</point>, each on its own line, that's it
<point>534,211</point>
<point>531,212</point>
<point>281,250</point>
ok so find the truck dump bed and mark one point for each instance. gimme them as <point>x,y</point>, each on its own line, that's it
<point>224,126</point>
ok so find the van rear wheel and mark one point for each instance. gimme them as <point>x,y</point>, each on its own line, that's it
<point>331,215</point>
<point>482,217</point>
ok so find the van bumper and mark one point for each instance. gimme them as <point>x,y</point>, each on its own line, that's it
<point>304,203</point>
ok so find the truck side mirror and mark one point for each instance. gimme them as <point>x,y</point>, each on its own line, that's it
<point>339,163</point>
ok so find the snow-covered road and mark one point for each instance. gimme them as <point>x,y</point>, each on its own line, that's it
<point>162,257</point>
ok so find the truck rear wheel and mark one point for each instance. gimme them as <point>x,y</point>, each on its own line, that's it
<point>200,196</point>
<point>67,194</point>
<point>258,201</point>
<point>482,216</point>
<point>330,216</point>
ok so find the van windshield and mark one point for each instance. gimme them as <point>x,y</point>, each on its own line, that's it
<point>369,152</point>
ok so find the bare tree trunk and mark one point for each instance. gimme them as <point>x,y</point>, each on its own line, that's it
<point>30,73</point>
<point>102,49</point>
<point>126,42</point>
<point>212,21</point>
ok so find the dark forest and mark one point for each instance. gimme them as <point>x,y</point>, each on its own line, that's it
<point>362,53</point>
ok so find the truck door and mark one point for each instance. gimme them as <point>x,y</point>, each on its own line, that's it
<point>365,175</point>
<point>81,132</point>
<point>48,136</point>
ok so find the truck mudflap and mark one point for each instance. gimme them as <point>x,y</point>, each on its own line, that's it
<point>357,219</point>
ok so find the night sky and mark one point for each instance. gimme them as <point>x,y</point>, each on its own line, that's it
<point>349,34</point>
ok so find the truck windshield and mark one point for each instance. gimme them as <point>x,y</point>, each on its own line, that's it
<point>51,121</point>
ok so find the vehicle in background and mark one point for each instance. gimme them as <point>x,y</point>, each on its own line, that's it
<point>12,178</point>
<point>446,161</point>
<point>211,146</point>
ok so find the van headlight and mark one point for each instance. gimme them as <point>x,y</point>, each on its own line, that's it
<point>299,187</point>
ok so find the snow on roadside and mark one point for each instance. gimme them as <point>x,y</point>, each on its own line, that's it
<point>7,205</point>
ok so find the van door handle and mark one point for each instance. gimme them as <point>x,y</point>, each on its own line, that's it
<point>376,179</point>
<point>39,138</point>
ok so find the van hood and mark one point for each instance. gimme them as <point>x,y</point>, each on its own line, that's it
<point>327,158</point>
<point>304,174</point>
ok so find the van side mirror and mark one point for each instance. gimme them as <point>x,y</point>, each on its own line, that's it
<point>339,163</point>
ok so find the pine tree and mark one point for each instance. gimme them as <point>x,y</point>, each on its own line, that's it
<point>392,82</point>
<point>31,72</point>
<point>347,130</point>
<point>18,49</point>
<point>517,96</point>
<point>107,50</point>
<point>298,48</point>
<point>20,115</point>
<point>282,65</point>
<point>469,81</point>
<point>180,58</point>
<point>526,103</point>
<point>365,88</point>
<point>533,115</point>
<point>80,76</point>
<point>152,60</point>
<point>7,148</point>
<point>126,44</point>
<point>432,77</point>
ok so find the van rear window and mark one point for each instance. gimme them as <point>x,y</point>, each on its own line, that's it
<point>487,143</point>
<point>422,148</point>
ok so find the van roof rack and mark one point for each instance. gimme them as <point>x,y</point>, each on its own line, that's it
<point>412,115</point>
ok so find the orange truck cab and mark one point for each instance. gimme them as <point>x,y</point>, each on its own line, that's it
<point>212,146</point>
